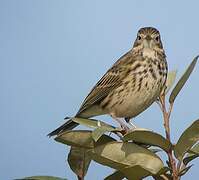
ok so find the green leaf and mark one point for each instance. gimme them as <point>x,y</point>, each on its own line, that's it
<point>81,138</point>
<point>163,177</point>
<point>190,158</point>
<point>93,123</point>
<point>117,175</point>
<point>154,150</point>
<point>163,174</point>
<point>100,126</point>
<point>79,160</point>
<point>164,170</point>
<point>185,170</point>
<point>195,149</point>
<point>182,80</point>
<point>120,155</point>
<point>42,178</point>
<point>148,137</point>
<point>170,80</point>
<point>192,154</point>
<point>98,132</point>
<point>135,172</point>
<point>188,138</point>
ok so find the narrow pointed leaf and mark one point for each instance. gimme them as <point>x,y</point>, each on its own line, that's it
<point>170,80</point>
<point>93,123</point>
<point>148,137</point>
<point>120,155</point>
<point>182,80</point>
<point>168,164</point>
<point>79,160</point>
<point>192,154</point>
<point>155,150</point>
<point>188,138</point>
<point>185,170</point>
<point>81,138</point>
<point>42,178</point>
<point>190,158</point>
<point>117,175</point>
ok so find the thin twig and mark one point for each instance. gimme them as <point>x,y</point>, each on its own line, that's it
<point>166,116</point>
<point>170,109</point>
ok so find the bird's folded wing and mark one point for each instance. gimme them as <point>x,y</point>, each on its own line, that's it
<point>111,80</point>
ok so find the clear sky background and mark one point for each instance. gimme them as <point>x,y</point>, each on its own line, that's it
<point>53,52</point>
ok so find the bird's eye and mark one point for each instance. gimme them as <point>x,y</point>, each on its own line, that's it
<point>139,37</point>
<point>157,38</point>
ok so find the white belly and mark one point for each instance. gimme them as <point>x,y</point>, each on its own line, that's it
<point>134,103</point>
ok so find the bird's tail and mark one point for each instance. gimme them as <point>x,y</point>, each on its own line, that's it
<point>70,124</point>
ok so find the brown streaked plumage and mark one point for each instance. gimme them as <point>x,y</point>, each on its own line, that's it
<point>131,85</point>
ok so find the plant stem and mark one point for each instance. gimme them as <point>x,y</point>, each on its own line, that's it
<point>166,116</point>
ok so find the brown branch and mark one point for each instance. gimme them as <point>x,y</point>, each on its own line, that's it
<point>166,117</point>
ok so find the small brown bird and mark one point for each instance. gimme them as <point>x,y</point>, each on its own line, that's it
<point>131,85</point>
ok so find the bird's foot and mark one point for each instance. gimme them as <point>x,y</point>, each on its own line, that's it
<point>124,126</point>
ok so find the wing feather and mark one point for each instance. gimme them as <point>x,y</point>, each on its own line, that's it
<point>111,80</point>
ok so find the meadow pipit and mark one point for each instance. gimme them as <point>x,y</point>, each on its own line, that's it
<point>131,85</point>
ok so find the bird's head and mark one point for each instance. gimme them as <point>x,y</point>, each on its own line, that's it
<point>149,38</point>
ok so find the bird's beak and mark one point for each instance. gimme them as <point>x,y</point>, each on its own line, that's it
<point>147,42</point>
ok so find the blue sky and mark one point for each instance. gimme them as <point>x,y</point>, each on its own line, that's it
<point>53,52</point>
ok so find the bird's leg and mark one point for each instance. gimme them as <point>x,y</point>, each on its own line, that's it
<point>128,120</point>
<point>121,122</point>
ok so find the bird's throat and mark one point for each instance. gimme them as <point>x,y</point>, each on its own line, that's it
<point>148,52</point>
